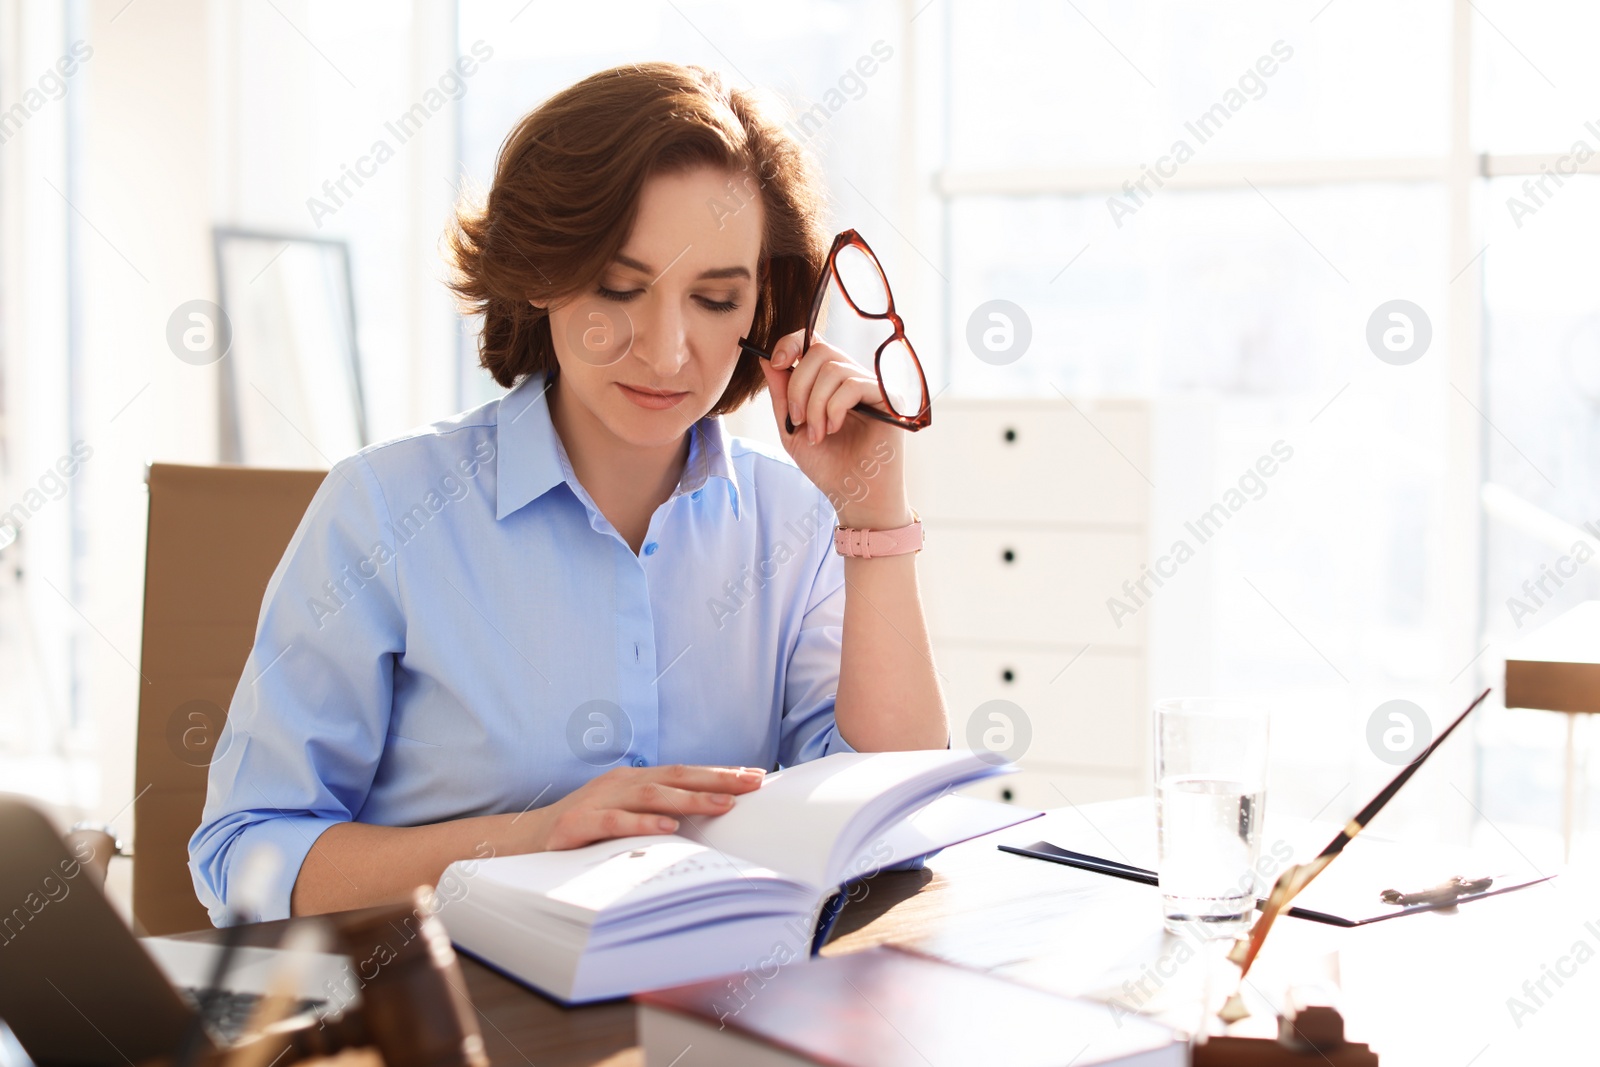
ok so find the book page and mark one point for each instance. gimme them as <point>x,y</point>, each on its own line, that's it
<point>947,821</point>
<point>615,877</point>
<point>801,819</point>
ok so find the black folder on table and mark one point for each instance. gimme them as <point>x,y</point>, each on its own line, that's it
<point>1341,903</point>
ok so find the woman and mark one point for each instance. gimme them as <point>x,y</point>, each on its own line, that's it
<point>582,611</point>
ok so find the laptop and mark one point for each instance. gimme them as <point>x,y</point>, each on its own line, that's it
<point>76,986</point>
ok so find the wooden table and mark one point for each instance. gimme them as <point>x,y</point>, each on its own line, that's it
<point>1423,990</point>
<point>1557,668</point>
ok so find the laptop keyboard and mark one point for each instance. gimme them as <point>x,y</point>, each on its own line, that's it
<point>230,1012</point>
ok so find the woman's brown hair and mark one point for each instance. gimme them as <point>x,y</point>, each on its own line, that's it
<point>566,191</point>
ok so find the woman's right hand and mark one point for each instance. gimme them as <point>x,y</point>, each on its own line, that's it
<point>628,801</point>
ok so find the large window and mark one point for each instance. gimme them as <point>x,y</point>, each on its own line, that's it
<point>1212,210</point>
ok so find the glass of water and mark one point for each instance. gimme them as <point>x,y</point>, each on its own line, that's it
<point>1211,791</point>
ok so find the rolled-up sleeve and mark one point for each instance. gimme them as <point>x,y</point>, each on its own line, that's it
<point>310,715</point>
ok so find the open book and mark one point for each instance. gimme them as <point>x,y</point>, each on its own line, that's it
<point>726,892</point>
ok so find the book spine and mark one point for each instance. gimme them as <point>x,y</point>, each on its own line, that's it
<point>828,910</point>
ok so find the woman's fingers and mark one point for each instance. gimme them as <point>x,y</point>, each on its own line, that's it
<point>670,800</point>
<point>585,826</point>
<point>824,382</point>
<point>839,388</point>
<point>786,349</point>
<point>715,778</point>
<point>683,789</point>
<point>804,375</point>
<point>822,387</point>
<point>626,801</point>
<point>851,390</point>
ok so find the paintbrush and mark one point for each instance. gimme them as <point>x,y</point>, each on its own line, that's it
<point>1296,878</point>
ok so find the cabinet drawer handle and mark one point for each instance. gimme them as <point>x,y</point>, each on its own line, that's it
<point>1008,675</point>
<point>1008,555</point>
<point>1011,435</point>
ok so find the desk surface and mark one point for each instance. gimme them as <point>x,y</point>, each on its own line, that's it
<point>1436,989</point>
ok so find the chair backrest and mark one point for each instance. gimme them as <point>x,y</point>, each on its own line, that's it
<point>215,536</point>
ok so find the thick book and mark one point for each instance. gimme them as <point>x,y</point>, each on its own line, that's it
<point>885,1007</point>
<point>740,890</point>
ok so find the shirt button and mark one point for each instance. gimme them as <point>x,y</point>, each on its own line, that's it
<point>650,549</point>
<point>696,494</point>
<point>640,761</point>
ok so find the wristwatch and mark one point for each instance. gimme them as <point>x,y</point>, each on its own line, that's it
<point>864,544</point>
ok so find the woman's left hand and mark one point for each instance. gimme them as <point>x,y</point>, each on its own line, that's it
<point>857,461</point>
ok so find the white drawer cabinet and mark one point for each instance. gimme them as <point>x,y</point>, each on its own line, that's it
<point>1038,510</point>
<point>1033,461</point>
<point>1082,709</point>
<point>1049,788</point>
<point>1007,582</point>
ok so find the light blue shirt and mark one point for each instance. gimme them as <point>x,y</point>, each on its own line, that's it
<point>455,629</point>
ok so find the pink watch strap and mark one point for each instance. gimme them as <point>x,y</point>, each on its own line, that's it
<point>864,544</point>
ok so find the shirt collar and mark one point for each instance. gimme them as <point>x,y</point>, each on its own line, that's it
<point>530,459</point>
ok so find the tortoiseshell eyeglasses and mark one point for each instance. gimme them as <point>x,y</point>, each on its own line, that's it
<point>900,379</point>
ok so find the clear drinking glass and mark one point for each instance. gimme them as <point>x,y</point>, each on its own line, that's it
<point>1210,777</point>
